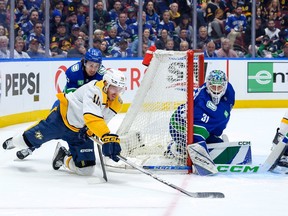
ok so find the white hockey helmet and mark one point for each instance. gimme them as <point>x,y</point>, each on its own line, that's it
<point>115,78</point>
<point>216,83</point>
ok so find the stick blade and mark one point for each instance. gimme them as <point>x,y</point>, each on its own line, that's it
<point>206,195</point>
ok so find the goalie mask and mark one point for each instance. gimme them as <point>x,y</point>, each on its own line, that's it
<point>216,83</point>
<point>116,79</point>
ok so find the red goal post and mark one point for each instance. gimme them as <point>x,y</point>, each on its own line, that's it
<point>168,82</point>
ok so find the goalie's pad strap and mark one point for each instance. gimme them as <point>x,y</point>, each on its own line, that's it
<point>201,160</point>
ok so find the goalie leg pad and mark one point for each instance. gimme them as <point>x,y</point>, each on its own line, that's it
<point>201,160</point>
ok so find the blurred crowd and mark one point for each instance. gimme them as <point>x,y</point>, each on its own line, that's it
<point>223,27</point>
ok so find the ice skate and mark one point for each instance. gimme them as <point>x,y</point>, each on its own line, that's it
<point>8,144</point>
<point>59,155</point>
<point>24,153</point>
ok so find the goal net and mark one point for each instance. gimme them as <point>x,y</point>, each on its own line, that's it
<point>167,83</point>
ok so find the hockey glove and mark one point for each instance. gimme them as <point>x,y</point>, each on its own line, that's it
<point>111,146</point>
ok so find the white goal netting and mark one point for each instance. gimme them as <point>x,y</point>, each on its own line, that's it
<point>144,132</point>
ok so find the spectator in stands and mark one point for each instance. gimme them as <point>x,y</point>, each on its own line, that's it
<point>162,40</point>
<point>61,39</point>
<point>104,49</point>
<point>161,6</point>
<point>167,24</point>
<point>98,34</point>
<point>145,40</point>
<point>203,37</point>
<point>75,33</point>
<point>81,14</point>
<point>185,24</point>
<point>123,30</point>
<point>79,49</point>
<point>3,30</point>
<point>284,53</point>
<point>71,21</point>
<point>73,5</point>
<point>85,26</point>
<point>210,52</point>
<point>34,4</point>
<point>250,52</point>
<point>37,33</point>
<point>151,16</point>
<point>226,51</point>
<point>122,51</point>
<point>273,10</point>
<point>97,43</point>
<point>28,26</point>
<point>235,25</point>
<point>21,13</point>
<point>267,48</point>
<point>19,47</point>
<point>33,50</point>
<point>112,38</point>
<point>170,45</point>
<point>131,15</point>
<point>215,15</point>
<point>272,31</point>
<point>4,51</point>
<point>175,15</point>
<point>184,46</point>
<point>60,6</point>
<point>134,28</point>
<point>101,17</point>
<point>232,5</point>
<point>3,13</point>
<point>54,22</point>
<point>183,36</point>
<point>114,13</point>
<point>259,32</point>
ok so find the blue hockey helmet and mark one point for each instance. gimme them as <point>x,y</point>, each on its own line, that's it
<point>93,55</point>
<point>216,83</point>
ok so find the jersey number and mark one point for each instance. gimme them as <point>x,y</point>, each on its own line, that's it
<point>96,100</point>
<point>205,118</point>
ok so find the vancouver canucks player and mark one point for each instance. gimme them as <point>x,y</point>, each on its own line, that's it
<point>213,102</point>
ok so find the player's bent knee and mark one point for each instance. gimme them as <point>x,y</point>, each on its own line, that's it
<point>85,171</point>
<point>85,168</point>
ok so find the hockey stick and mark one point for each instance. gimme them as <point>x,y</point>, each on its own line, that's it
<point>101,159</point>
<point>190,194</point>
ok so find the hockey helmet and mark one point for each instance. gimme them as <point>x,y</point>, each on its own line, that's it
<point>115,78</point>
<point>93,55</point>
<point>216,83</point>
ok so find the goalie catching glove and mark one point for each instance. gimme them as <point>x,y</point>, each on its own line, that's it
<point>111,146</point>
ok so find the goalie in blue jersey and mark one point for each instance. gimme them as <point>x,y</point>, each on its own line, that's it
<point>80,73</point>
<point>213,102</point>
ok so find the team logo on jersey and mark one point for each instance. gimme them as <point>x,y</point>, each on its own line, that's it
<point>38,135</point>
<point>226,114</point>
<point>80,82</point>
<point>211,105</point>
<point>75,68</point>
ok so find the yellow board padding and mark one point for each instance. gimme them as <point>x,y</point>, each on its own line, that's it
<point>41,114</point>
<point>261,104</point>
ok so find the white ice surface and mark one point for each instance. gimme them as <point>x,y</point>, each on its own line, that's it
<point>32,188</point>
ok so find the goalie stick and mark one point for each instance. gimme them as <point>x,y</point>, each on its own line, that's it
<point>190,194</point>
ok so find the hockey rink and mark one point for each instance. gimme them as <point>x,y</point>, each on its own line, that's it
<point>32,188</point>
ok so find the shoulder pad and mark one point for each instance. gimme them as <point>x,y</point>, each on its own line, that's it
<point>75,67</point>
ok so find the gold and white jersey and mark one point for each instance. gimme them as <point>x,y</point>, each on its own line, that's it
<point>89,106</point>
